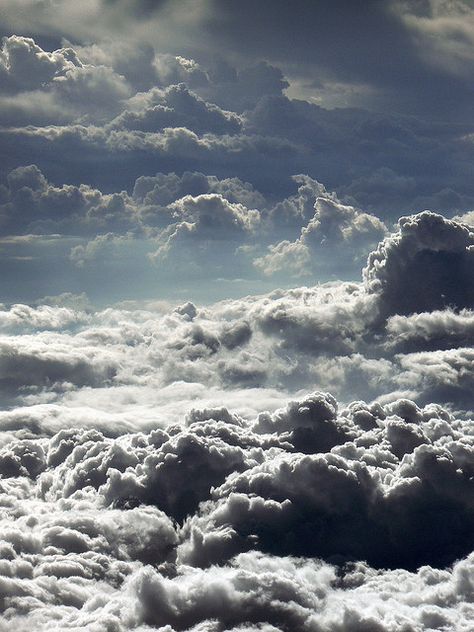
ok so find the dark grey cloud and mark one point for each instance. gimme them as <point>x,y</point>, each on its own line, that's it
<point>26,66</point>
<point>385,55</point>
<point>345,148</point>
<point>385,163</point>
<point>426,266</point>
<point>30,204</point>
<point>387,50</point>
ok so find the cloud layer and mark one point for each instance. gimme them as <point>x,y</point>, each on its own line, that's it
<point>166,125</point>
<point>183,446</point>
<point>289,519</point>
<point>186,468</point>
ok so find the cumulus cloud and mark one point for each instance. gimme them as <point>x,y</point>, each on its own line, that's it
<point>204,460</point>
<point>26,66</point>
<point>353,339</point>
<point>153,460</point>
<point>132,107</point>
<point>31,203</point>
<point>176,107</point>
<point>192,220</point>
<point>332,225</point>
<point>97,535</point>
<point>72,89</point>
<point>429,45</point>
<point>207,218</point>
<point>162,189</point>
<point>425,266</point>
<point>285,255</point>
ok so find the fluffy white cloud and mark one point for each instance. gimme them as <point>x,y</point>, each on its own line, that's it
<point>88,533</point>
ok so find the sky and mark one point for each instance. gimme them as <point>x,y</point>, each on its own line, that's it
<point>175,150</point>
<point>237,315</point>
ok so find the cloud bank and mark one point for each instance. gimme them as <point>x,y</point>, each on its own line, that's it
<point>187,469</point>
<point>102,141</point>
<point>237,317</point>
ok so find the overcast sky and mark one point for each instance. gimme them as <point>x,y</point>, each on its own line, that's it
<point>170,149</point>
<point>236,315</point>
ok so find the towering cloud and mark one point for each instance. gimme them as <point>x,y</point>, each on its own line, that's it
<point>427,265</point>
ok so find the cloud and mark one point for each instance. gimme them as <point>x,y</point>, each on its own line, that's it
<point>134,61</point>
<point>303,504</point>
<point>60,79</point>
<point>174,453</point>
<point>352,339</point>
<point>285,255</point>
<point>44,317</point>
<point>86,102</point>
<point>93,541</point>
<point>241,89</point>
<point>440,329</point>
<point>206,218</point>
<point>147,466</point>
<point>178,107</point>
<point>155,192</point>
<point>28,362</point>
<point>26,66</point>
<point>333,225</point>
<point>430,50</point>
<point>425,266</point>
<point>99,87</point>
<point>32,203</point>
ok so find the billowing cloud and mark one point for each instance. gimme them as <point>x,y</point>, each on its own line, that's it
<point>98,539</point>
<point>26,66</point>
<point>34,78</point>
<point>354,339</point>
<point>184,447</point>
<point>178,468</point>
<point>138,111</point>
<point>332,225</point>
<point>425,266</point>
<point>177,107</point>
